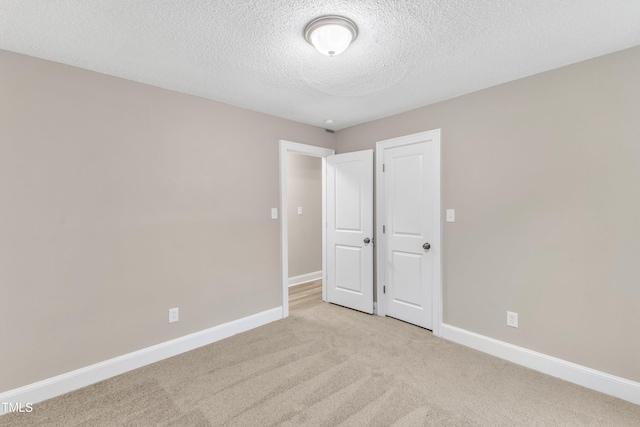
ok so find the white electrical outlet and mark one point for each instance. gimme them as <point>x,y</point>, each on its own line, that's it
<point>512,319</point>
<point>173,315</point>
<point>299,210</point>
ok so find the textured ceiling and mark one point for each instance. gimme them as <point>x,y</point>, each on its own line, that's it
<point>252,54</point>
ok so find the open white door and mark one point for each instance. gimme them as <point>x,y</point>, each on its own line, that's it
<point>350,230</point>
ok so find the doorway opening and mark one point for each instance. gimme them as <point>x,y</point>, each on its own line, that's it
<point>304,224</point>
<point>287,148</point>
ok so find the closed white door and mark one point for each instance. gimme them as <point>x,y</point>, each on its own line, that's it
<point>350,230</point>
<point>410,227</point>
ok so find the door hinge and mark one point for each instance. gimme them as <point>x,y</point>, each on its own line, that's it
<point>384,289</point>
<point>384,229</point>
<point>383,167</point>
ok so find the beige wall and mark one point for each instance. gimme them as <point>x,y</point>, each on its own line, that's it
<point>304,231</point>
<point>544,174</point>
<point>119,201</point>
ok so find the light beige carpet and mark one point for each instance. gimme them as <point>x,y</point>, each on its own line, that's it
<point>327,365</point>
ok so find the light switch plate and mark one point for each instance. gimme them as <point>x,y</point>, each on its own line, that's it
<point>274,213</point>
<point>299,210</point>
<point>451,215</point>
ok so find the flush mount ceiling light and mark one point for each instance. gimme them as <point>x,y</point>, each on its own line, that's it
<point>331,34</point>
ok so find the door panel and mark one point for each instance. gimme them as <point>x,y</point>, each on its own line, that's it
<point>348,266</point>
<point>349,222</point>
<point>406,207</point>
<point>348,189</point>
<point>409,224</point>
<point>406,267</point>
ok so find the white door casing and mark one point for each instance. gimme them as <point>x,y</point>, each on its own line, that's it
<point>408,217</point>
<point>350,230</point>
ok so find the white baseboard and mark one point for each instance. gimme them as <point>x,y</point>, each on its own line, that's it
<point>568,371</point>
<point>304,278</point>
<point>55,386</point>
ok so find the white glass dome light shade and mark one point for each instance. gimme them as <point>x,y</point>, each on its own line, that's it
<point>331,35</point>
<point>331,39</point>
